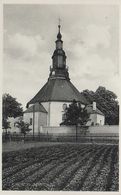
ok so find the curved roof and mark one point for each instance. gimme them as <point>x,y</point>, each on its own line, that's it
<point>58,89</point>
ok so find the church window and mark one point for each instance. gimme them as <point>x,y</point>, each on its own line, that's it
<point>30,121</point>
<point>64,106</point>
<point>63,117</point>
<point>53,73</point>
<point>59,45</point>
<point>60,61</point>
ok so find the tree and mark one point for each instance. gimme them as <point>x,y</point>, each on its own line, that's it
<point>5,123</point>
<point>24,127</point>
<point>89,95</point>
<point>75,115</point>
<point>106,102</point>
<point>10,108</point>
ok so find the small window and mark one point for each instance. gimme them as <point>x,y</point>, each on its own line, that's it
<point>92,124</point>
<point>64,106</point>
<point>53,72</point>
<point>30,121</point>
<point>63,117</point>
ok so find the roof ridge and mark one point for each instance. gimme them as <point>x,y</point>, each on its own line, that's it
<point>37,93</point>
<point>43,90</point>
<point>80,95</point>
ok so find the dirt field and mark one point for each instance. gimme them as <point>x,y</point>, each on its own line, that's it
<point>67,167</point>
<point>14,146</point>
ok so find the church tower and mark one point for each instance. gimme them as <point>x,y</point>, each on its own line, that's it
<point>59,68</point>
<point>58,91</point>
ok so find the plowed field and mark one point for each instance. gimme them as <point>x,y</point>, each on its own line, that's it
<point>67,167</point>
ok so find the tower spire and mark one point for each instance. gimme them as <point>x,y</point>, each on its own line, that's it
<point>59,36</point>
<point>59,24</point>
<point>59,68</point>
<point>59,21</point>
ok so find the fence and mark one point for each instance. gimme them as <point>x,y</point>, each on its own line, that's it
<point>61,137</point>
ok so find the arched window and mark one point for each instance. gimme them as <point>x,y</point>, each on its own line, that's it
<point>64,106</point>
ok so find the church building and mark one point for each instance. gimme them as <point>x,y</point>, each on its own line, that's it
<point>46,108</point>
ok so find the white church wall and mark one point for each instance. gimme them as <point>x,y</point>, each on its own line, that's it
<point>40,119</point>
<point>29,117</point>
<point>46,105</point>
<point>56,111</point>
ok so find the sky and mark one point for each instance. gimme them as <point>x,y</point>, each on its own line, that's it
<point>90,35</point>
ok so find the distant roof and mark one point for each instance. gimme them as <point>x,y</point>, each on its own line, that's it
<point>90,110</point>
<point>37,107</point>
<point>58,90</point>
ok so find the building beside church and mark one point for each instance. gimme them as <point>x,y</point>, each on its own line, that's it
<point>46,108</point>
<point>96,116</point>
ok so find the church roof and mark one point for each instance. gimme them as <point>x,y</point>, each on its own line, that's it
<point>58,87</point>
<point>90,110</point>
<point>58,90</point>
<point>37,107</point>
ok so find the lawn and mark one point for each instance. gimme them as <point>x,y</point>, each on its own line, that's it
<point>65,167</point>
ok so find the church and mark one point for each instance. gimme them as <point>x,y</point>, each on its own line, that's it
<point>47,107</point>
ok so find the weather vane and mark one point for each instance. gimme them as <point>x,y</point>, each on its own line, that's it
<point>59,21</point>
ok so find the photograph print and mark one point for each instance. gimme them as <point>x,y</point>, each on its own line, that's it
<point>60,97</point>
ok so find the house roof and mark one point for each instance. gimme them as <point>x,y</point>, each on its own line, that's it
<point>37,107</point>
<point>90,110</point>
<point>58,89</point>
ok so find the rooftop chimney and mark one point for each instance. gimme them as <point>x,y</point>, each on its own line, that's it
<point>94,106</point>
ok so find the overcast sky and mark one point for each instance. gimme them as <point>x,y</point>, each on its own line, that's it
<point>90,36</point>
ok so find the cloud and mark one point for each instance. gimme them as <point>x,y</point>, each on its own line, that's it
<point>23,46</point>
<point>23,78</point>
<point>89,38</point>
<point>112,83</point>
<point>93,66</point>
<point>26,65</point>
<point>88,61</point>
<point>90,43</point>
<point>97,35</point>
